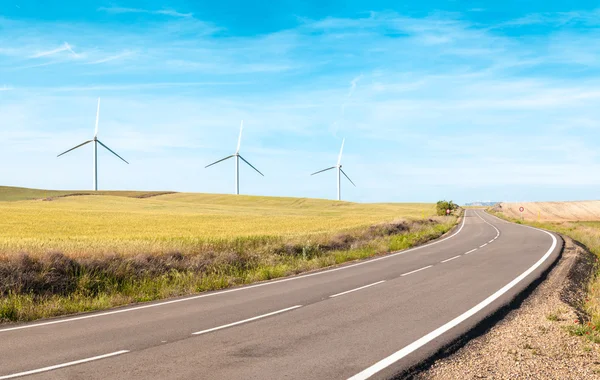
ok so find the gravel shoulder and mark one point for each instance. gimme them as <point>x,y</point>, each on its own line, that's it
<point>532,342</point>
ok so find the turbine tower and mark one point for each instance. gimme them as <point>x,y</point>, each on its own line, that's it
<point>96,142</point>
<point>237,162</point>
<point>339,173</point>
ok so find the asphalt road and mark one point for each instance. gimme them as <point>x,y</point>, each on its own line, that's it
<point>372,318</point>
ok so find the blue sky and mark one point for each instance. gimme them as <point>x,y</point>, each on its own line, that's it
<point>462,100</point>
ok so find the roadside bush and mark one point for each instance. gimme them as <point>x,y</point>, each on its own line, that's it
<point>442,206</point>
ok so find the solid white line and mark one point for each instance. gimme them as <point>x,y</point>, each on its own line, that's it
<point>450,259</point>
<point>471,251</point>
<point>415,271</point>
<point>246,320</point>
<point>354,290</point>
<point>491,241</point>
<point>453,323</point>
<point>326,271</point>
<point>481,246</point>
<point>46,369</point>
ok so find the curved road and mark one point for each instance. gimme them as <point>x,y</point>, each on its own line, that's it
<point>369,319</point>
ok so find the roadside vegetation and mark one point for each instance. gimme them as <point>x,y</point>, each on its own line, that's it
<point>588,234</point>
<point>84,253</point>
<point>442,207</point>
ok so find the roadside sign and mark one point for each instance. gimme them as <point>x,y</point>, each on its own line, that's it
<point>521,209</point>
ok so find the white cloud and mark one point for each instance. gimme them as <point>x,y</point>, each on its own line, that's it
<point>111,58</point>
<point>166,12</point>
<point>63,48</point>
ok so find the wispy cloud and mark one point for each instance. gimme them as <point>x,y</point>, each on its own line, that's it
<point>64,48</point>
<point>137,86</point>
<point>166,12</point>
<point>5,88</point>
<point>587,18</point>
<point>111,58</point>
<point>336,125</point>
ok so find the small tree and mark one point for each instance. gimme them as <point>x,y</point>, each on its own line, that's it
<point>442,206</point>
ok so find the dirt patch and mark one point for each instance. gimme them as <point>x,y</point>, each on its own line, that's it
<point>150,195</point>
<point>532,342</point>
<point>138,196</point>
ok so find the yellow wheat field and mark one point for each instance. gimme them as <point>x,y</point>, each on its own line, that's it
<point>117,223</point>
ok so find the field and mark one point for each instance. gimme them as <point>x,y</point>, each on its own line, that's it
<point>581,222</point>
<point>554,211</point>
<point>63,253</point>
<point>100,224</point>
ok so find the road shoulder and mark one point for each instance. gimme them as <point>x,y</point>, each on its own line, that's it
<point>532,341</point>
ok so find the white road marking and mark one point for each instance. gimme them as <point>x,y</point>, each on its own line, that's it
<point>481,246</point>
<point>485,221</point>
<point>491,241</point>
<point>415,271</point>
<point>450,259</point>
<point>157,304</point>
<point>381,365</point>
<point>471,251</point>
<point>51,368</point>
<point>357,289</point>
<point>246,320</point>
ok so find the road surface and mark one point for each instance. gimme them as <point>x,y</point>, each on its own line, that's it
<point>367,319</point>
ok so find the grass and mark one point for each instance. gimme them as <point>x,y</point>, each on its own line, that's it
<point>83,253</point>
<point>587,233</point>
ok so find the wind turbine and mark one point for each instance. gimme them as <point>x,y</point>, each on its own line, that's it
<point>96,142</point>
<point>237,162</point>
<point>339,173</point>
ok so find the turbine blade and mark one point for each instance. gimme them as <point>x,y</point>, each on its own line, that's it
<point>341,151</point>
<point>344,173</point>
<point>110,150</point>
<point>240,138</point>
<point>80,145</point>
<point>324,170</point>
<point>216,162</point>
<point>243,159</point>
<point>97,118</point>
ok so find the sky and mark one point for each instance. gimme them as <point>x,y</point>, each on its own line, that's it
<point>461,100</point>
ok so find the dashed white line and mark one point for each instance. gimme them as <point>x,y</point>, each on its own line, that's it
<point>471,251</point>
<point>491,241</point>
<point>246,320</point>
<point>415,271</point>
<point>481,246</point>
<point>384,363</point>
<point>357,289</point>
<point>450,259</point>
<point>51,368</point>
